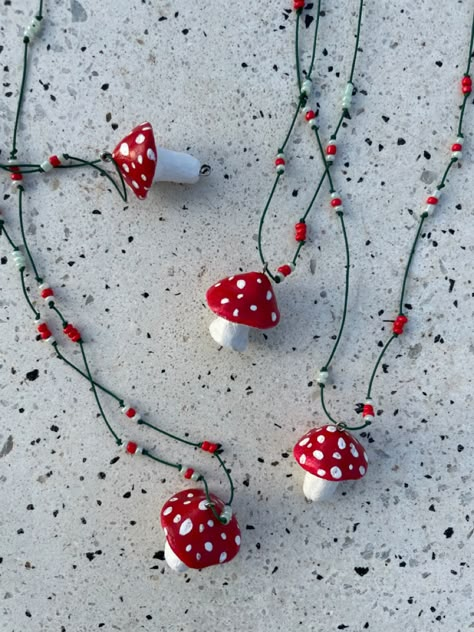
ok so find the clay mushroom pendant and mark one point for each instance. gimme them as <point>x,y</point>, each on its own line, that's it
<point>240,302</point>
<point>194,537</point>
<point>142,163</point>
<point>329,455</point>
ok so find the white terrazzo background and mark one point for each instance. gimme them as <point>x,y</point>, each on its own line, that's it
<point>80,541</point>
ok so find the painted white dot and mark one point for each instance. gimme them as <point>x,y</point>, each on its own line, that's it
<point>165,530</point>
<point>146,128</point>
<point>201,528</point>
<point>318,455</point>
<point>217,285</point>
<point>237,540</point>
<point>303,459</point>
<point>198,556</point>
<point>167,511</point>
<point>125,167</point>
<point>187,502</point>
<point>210,523</point>
<point>354,451</point>
<point>174,499</point>
<point>304,441</point>
<point>241,284</point>
<point>341,444</point>
<point>224,301</point>
<point>240,296</point>
<point>186,527</point>
<point>190,495</point>
<point>365,457</point>
<point>222,557</point>
<point>331,429</point>
<point>140,139</point>
<point>351,467</point>
<point>321,472</point>
<point>208,546</point>
<point>259,280</point>
<point>231,278</point>
<point>189,547</point>
<point>223,536</point>
<point>133,165</point>
<point>143,177</point>
<point>336,472</point>
<point>151,154</point>
<point>140,159</point>
<point>177,518</point>
<point>321,438</point>
<point>253,308</point>
<point>135,184</point>
<point>310,445</point>
<point>124,149</point>
<point>269,296</point>
<point>362,470</point>
<point>274,317</point>
<point>235,313</point>
<point>203,505</point>
<point>337,455</point>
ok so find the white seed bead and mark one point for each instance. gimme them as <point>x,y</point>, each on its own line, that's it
<point>16,184</point>
<point>33,28</point>
<point>457,154</point>
<point>437,193</point>
<point>278,278</point>
<point>51,339</point>
<point>322,377</point>
<point>226,514</point>
<point>306,109</point>
<point>429,209</point>
<point>306,87</point>
<point>195,476</point>
<point>280,169</point>
<point>330,158</point>
<point>18,259</point>
<point>46,166</point>
<point>334,195</point>
<point>338,208</point>
<point>125,409</point>
<point>281,155</point>
<point>348,90</point>
<point>313,123</point>
<point>459,140</point>
<point>135,418</point>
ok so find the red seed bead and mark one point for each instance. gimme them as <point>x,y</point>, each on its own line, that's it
<point>456,147</point>
<point>16,176</point>
<point>466,81</point>
<point>368,410</point>
<point>45,334</point>
<point>300,231</point>
<point>309,116</point>
<point>188,472</point>
<point>336,202</point>
<point>55,161</point>
<point>298,4</point>
<point>207,446</point>
<point>331,150</point>
<point>285,270</point>
<point>47,292</point>
<point>131,412</point>
<point>72,333</point>
<point>280,161</point>
<point>399,324</point>
<point>432,200</point>
<point>131,447</point>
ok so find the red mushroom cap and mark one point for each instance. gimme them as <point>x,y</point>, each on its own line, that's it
<point>136,158</point>
<point>331,453</point>
<point>193,532</point>
<point>245,299</point>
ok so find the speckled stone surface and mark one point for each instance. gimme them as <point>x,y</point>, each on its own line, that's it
<point>81,548</point>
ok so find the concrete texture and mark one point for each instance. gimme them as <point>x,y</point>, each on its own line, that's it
<point>81,548</point>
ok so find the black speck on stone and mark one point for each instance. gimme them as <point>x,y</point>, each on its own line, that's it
<point>401,141</point>
<point>439,63</point>
<point>145,295</point>
<point>159,555</point>
<point>385,118</point>
<point>185,31</point>
<point>90,556</point>
<point>101,475</point>
<point>114,460</point>
<point>127,494</point>
<point>426,154</point>
<point>3,261</point>
<point>460,448</point>
<point>30,507</point>
<point>96,212</point>
<point>104,86</point>
<point>361,570</point>
<point>244,65</point>
<point>449,532</point>
<point>32,375</point>
<point>54,428</point>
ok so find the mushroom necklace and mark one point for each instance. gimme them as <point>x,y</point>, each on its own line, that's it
<point>331,454</point>
<point>247,301</point>
<point>200,529</point>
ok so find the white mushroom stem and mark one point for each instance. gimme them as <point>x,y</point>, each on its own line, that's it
<point>230,335</point>
<point>316,488</point>
<point>173,166</point>
<point>173,560</point>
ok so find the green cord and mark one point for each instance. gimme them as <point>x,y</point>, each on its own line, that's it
<point>14,150</point>
<point>379,359</point>
<point>169,434</point>
<point>410,258</point>
<point>262,219</point>
<point>122,193</point>
<point>356,49</point>
<point>23,287</point>
<point>96,397</point>
<point>23,236</point>
<point>162,461</point>
<point>315,38</point>
<point>297,50</point>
